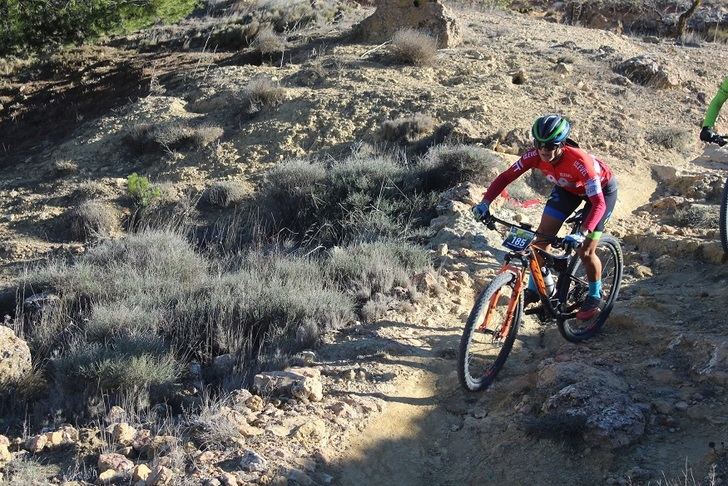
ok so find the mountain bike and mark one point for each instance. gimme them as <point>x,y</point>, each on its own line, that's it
<point>721,140</point>
<point>492,325</point>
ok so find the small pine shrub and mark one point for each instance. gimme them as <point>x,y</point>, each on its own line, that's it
<point>259,94</point>
<point>411,46</point>
<point>93,219</point>
<point>141,190</point>
<point>407,130</point>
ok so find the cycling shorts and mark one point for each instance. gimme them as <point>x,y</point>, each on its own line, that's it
<point>562,204</point>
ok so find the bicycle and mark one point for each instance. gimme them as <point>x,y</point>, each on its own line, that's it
<point>721,140</point>
<point>493,323</point>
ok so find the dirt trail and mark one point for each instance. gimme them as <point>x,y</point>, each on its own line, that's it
<point>431,432</point>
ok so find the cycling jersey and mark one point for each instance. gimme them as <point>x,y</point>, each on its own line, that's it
<point>712,114</point>
<point>576,171</point>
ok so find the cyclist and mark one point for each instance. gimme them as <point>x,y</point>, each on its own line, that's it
<point>577,176</point>
<point>707,134</point>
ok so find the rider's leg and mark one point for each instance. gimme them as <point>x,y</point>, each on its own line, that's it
<point>587,252</point>
<point>558,207</point>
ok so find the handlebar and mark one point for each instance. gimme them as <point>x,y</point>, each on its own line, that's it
<point>490,220</point>
<point>719,140</point>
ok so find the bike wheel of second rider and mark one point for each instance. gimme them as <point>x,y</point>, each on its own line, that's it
<point>489,333</point>
<point>573,288</point>
<point>724,219</point>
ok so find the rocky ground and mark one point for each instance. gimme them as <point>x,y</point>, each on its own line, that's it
<point>379,402</point>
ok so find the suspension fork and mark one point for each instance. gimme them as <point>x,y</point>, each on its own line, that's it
<point>519,274</point>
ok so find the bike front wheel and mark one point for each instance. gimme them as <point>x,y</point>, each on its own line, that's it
<point>724,219</point>
<point>573,287</point>
<point>490,332</point>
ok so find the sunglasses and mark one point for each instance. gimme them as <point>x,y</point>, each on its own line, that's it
<point>550,146</point>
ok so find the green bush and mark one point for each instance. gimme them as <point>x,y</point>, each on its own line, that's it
<point>141,190</point>
<point>40,23</point>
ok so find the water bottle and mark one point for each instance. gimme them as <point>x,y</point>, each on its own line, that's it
<point>548,281</point>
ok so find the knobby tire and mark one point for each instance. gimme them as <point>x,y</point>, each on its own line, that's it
<point>470,377</point>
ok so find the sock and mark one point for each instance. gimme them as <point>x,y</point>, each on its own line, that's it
<point>532,285</point>
<point>595,289</point>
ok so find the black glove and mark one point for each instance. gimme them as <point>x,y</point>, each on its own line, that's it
<point>707,134</point>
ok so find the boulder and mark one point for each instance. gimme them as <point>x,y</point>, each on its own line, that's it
<point>430,16</point>
<point>647,71</point>
<point>593,397</point>
<point>14,357</point>
<point>252,461</point>
<point>301,383</point>
<point>123,434</point>
<point>115,462</point>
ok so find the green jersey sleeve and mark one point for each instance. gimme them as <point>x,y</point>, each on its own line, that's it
<point>716,104</point>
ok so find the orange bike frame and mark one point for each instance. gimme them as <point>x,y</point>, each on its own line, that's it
<point>520,273</point>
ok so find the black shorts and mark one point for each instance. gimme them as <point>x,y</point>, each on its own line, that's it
<point>562,203</point>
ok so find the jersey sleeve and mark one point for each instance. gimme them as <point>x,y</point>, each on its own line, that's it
<point>515,171</point>
<point>714,108</point>
<point>590,170</point>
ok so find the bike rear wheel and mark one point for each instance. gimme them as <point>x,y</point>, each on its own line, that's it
<point>724,219</point>
<point>573,288</point>
<point>489,333</point>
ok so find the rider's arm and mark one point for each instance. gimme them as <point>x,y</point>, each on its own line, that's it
<point>589,167</point>
<point>598,207</point>
<point>511,174</point>
<point>712,114</point>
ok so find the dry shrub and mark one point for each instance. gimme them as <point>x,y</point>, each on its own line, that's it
<point>407,130</point>
<point>269,42</point>
<point>174,135</point>
<point>411,46</point>
<point>225,193</point>
<point>90,189</point>
<point>94,219</point>
<point>261,93</point>
<point>674,138</point>
<point>704,216</point>
<point>62,168</point>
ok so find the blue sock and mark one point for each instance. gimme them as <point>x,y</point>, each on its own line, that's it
<point>532,285</point>
<point>595,289</point>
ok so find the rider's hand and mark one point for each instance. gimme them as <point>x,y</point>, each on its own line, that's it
<point>480,210</point>
<point>574,240</point>
<point>707,134</point>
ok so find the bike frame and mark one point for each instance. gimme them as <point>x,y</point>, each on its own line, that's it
<point>532,258</point>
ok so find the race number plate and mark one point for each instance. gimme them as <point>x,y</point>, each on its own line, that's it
<point>518,239</point>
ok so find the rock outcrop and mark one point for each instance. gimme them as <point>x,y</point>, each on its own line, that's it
<point>426,15</point>
<point>14,356</point>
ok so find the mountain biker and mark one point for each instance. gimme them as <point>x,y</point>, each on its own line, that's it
<point>578,176</point>
<point>706,133</point>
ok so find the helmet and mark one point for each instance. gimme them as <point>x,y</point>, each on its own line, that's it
<point>550,129</point>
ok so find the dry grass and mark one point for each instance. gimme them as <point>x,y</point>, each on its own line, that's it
<point>225,193</point>
<point>63,168</point>
<point>407,129</point>
<point>94,219</point>
<point>269,42</point>
<point>410,46</point>
<point>174,135</point>
<point>673,138</point>
<point>259,94</point>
